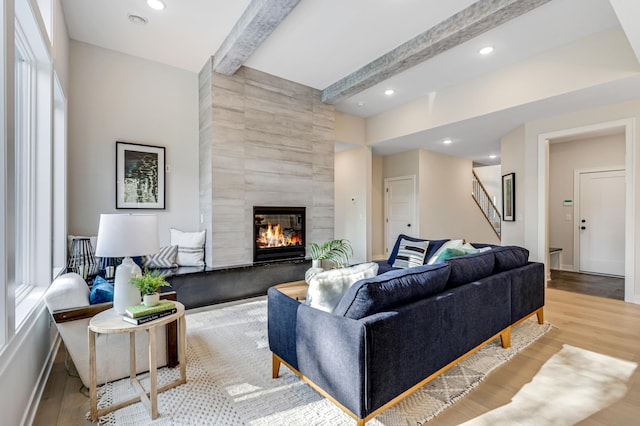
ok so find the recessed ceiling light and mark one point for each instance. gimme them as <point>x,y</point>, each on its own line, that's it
<point>492,156</point>
<point>156,4</point>
<point>389,92</point>
<point>486,50</point>
<point>360,103</point>
<point>446,141</point>
<point>137,19</point>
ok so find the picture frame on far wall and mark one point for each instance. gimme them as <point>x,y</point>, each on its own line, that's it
<point>509,197</point>
<point>140,176</point>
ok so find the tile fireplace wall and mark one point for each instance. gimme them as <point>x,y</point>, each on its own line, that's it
<point>263,141</point>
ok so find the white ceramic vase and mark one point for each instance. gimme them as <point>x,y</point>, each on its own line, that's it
<point>151,299</point>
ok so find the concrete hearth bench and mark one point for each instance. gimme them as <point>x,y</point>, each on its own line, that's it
<point>202,286</point>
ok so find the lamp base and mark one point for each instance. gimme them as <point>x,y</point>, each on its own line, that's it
<point>126,294</point>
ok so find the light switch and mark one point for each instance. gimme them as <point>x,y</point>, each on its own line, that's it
<point>568,217</point>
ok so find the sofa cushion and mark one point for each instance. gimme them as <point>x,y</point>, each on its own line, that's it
<point>392,289</point>
<point>383,266</point>
<point>327,288</point>
<point>469,268</point>
<point>509,257</point>
<point>410,253</point>
<point>434,245</point>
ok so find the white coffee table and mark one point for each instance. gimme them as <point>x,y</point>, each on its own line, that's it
<point>110,322</point>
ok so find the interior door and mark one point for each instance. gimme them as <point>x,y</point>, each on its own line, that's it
<point>601,222</point>
<point>400,209</point>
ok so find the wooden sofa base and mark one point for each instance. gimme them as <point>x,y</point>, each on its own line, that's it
<point>505,337</point>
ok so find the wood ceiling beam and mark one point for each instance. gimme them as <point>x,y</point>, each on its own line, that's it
<point>257,22</point>
<point>476,19</point>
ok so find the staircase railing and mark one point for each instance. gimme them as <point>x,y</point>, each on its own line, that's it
<point>482,199</point>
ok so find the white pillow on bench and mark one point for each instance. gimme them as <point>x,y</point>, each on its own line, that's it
<point>190,247</point>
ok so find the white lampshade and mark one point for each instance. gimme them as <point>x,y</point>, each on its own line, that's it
<point>126,235</point>
<point>122,235</point>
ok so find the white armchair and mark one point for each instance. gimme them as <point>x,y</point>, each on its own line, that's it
<point>67,299</point>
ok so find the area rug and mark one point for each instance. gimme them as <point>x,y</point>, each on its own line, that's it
<point>229,379</point>
<point>572,385</point>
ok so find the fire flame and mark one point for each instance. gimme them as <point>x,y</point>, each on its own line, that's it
<point>274,237</point>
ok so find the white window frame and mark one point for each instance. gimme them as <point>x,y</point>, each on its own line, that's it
<point>35,119</point>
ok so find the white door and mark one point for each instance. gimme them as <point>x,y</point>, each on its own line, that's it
<point>400,209</point>
<point>601,222</point>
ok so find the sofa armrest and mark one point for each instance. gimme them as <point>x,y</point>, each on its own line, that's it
<point>327,349</point>
<point>85,312</point>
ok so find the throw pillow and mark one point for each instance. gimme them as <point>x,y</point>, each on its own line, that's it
<point>190,247</point>
<point>410,254</point>
<point>434,245</point>
<point>101,291</point>
<point>327,288</point>
<point>448,244</point>
<point>460,251</point>
<point>165,258</point>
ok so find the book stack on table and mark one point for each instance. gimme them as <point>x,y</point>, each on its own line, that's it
<point>140,314</point>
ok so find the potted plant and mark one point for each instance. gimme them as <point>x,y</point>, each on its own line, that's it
<point>336,251</point>
<point>148,284</point>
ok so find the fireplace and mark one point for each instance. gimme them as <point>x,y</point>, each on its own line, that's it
<point>278,233</point>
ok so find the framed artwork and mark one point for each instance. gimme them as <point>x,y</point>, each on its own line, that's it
<point>509,197</point>
<point>140,176</point>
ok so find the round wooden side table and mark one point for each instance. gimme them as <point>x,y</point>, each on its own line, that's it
<point>110,322</point>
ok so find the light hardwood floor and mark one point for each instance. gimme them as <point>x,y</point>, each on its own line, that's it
<point>601,325</point>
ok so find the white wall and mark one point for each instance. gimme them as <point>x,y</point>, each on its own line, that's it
<point>513,161</point>
<point>445,206</point>
<point>564,159</point>
<point>353,211</point>
<point>523,145</point>
<point>116,97</point>
<point>447,209</point>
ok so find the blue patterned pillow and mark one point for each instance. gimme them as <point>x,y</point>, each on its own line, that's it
<point>101,291</point>
<point>410,254</point>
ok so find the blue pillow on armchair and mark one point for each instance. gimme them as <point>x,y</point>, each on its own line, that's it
<point>101,291</point>
<point>433,247</point>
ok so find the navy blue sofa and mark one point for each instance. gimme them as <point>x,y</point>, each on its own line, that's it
<point>391,334</point>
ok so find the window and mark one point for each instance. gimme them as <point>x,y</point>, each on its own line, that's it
<point>31,187</point>
<point>24,190</point>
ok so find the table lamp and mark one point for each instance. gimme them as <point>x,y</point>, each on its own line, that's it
<point>127,235</point>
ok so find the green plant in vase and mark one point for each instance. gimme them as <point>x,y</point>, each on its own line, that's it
<point>148,284</point>
<point>336,251</point>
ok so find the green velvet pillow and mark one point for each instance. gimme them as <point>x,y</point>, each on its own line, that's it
<point>454,252</point>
